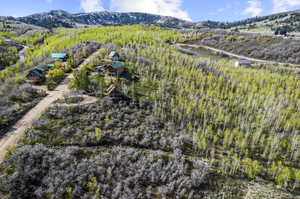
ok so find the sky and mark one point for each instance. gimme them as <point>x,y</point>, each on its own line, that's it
<point>193,10</point>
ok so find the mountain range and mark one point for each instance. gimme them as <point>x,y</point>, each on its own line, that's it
<point>60,18</point>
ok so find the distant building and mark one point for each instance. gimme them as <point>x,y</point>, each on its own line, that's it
<point>36,75</point>
<point>114,56</point>
<point>243,62</point>
<point>59,56</point>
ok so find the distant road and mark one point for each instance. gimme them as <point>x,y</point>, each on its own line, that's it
<point>21,52</point>
<point>233,55</point>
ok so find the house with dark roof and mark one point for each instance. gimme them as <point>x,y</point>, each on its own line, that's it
<point>36,75</point>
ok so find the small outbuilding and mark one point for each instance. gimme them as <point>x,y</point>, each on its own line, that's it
<point>243,62</point>
<point>114,56</point>
<point>59,56</point>
<point>36,75</point>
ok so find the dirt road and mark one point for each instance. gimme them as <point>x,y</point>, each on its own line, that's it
<point>19,129</point>
<point>22,53</point>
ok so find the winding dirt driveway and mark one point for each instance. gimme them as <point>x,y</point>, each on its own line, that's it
<point>18,130</point>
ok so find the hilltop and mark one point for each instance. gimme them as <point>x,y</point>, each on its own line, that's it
<point>60,18</point>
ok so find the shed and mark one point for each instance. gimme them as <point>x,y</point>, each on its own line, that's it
<point>114,56</point>
<point>59,56</point>
<point>36,75</point>
<point>243,62</point>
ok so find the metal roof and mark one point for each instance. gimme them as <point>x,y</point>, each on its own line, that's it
<point>37,71</point>
<point>59,55</point>
<point>117,65</point>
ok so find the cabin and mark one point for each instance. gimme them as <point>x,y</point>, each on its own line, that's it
<point>59,56</point>
<point>36,75</point>
<point>243,62</point>
<point>99,69</point>
<point>114,56</point>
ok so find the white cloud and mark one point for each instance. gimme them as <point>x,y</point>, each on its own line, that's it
<point>284,5</point>
<point>160,7</point>
<point>254,8</point>
<point>91,5</point>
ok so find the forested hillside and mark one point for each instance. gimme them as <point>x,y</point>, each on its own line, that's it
<point>179,127</point>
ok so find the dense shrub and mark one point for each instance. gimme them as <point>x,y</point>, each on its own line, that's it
<point>116,172</point>
<point>55,76</point>
<point>80,80</point>
<point>8,53</point>
<point>15,101</point>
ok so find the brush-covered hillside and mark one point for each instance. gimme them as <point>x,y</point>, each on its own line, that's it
<point>264,47</point>
<point>175,125</point>
<point>9,50</point>
<point>290,20</point>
